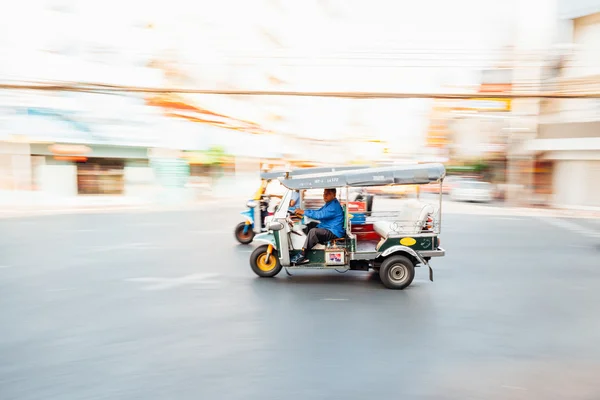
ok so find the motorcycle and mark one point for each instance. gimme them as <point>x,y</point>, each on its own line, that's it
<point>257,211</point>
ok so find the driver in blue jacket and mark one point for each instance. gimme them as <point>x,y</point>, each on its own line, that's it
<point>331,226</point>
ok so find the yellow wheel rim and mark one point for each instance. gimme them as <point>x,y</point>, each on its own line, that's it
<point>265,266</point>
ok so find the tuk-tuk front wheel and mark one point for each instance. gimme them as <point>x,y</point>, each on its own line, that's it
<point>397,272</point>
<point>244,238</point>
<point>263,266</point>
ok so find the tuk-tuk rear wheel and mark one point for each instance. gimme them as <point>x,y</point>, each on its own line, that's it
<point>397,272</point>
<point>263,267</point>
<point>244,238</point>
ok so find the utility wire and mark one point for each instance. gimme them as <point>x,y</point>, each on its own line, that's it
<point>99,88</point>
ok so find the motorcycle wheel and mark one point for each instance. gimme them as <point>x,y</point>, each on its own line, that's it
<point>243,238</point>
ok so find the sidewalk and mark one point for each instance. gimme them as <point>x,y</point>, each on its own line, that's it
<point>504,210</point>
<point>88,207</point>
<point>493,209</point>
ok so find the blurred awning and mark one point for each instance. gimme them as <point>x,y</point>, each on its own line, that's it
<point>177,106</point>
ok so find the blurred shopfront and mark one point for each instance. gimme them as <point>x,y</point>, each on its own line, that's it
<point>65,170</point>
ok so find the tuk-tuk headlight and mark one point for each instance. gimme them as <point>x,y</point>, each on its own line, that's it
<point>251,203</point>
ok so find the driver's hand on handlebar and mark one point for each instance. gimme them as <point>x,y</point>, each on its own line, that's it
<point>299,211</point>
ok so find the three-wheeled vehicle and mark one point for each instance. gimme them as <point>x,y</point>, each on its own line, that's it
<point>258,205</point>
<point>392,243</point>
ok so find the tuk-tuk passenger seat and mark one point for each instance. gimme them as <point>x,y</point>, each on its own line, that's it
<point>414,215</point>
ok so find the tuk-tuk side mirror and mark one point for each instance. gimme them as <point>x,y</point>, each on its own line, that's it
<point>275,226</point>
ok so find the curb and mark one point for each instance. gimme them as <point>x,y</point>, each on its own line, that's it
<point>502,209</point>
<point>226,202</point>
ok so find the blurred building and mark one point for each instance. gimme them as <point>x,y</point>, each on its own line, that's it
<point>129,145</point>
<point>534,33</point>
<point>69,144</point>
<point>567,146</point>
<point>474,131</point>
<point>478,123</point>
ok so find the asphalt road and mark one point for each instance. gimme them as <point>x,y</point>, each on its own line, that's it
<point>165,306</point>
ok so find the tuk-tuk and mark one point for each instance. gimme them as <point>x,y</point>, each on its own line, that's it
<point>392,243</point>
<point>258,205</point>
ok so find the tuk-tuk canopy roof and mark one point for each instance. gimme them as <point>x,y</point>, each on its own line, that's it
<point>309,171</point>
<point>415,174</point>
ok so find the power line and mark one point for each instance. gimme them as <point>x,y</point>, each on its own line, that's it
<point>529,83</point>
<point>99,88</point>
<point>476,65</point>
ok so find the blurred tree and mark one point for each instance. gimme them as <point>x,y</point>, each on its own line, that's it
<point>215,155</point>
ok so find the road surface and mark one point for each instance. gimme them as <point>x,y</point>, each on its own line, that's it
<point>165,306</point>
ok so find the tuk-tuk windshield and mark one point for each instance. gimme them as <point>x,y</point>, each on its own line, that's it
<point>284,205</point>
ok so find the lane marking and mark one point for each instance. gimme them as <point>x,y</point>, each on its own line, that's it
<point>513,387</point>
<point>211,232</point>
<point>170,283</point>
<point>161,224</point>
<point>578,246</point>
<point>121,246</point>
<point>60,290</point>
<point>334,299</point>
<point>560,223</point>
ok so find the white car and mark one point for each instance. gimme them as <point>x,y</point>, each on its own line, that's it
<point>475,191</point>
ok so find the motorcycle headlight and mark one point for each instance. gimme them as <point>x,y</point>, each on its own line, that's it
<point>251,203</point>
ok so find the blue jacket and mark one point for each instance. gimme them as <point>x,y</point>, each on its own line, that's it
<point>331,216</point>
